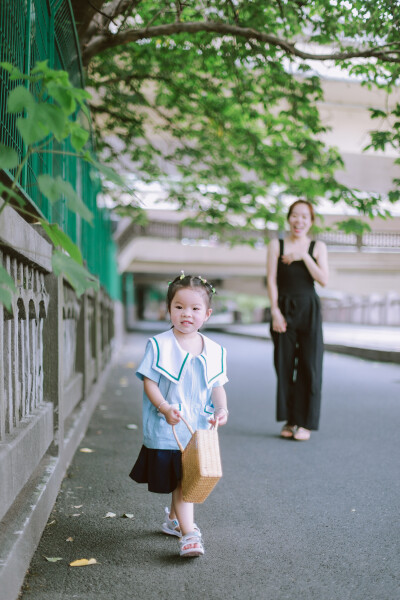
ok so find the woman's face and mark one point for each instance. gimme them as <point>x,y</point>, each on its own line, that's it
<point>300,220</point>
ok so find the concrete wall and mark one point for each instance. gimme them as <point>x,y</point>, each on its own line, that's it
<point>55,353</point>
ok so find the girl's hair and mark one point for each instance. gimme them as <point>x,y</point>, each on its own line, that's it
<point>301,201</point>
<point>189,281</point>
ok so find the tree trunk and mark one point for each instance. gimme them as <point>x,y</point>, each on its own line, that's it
<point>84,13</point>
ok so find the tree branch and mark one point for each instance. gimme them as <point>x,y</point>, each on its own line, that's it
<point>103,42</point>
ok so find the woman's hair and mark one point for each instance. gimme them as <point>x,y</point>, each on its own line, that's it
<point>189,281</point>
<point>307,203</point>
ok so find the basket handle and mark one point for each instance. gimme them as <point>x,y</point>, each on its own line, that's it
<point>190,429</point>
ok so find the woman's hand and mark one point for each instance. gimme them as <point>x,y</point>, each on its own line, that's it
<point>220,417</point>
<point>278,321</point>
<point>172,415</point>
<point>287,259</point>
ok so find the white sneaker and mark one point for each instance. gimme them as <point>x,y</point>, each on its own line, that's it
<point>171,526</point>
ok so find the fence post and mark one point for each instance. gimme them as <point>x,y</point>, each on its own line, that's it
<point>53,357</point>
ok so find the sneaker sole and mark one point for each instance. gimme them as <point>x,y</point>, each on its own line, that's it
<point>171,531</point>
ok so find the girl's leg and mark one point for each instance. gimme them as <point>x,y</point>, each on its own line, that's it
<point>190,542</point>
<point>172,512</point>
<point>183,511</point>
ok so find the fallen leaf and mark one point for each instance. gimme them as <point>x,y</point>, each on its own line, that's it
<point>109,515</point>
<point>79,506</point>
<point>76,515</point>
<point>51,523</point>
<point>83,562</point>
<point>130,365</point>
<point>123,382</point>
<point>99,432</point>
<point>87,450</point>
<point>70,539</point>
<point>53,559</point>
<point>128,515</point>
<point>131,426</point>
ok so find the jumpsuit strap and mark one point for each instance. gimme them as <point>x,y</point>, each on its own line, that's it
<point>280,247</point>
<point>311,248</point>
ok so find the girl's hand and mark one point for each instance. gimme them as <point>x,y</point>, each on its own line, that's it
<point>220,417</point>
<point>172,416</point>
<point>278,321</point>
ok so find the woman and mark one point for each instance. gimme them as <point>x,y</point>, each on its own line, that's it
<point>296,325</point>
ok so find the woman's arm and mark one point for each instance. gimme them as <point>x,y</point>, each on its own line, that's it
<point>318,268</point>
<point>157,399</point>
<point>278,320</point>
<point>218,396</point>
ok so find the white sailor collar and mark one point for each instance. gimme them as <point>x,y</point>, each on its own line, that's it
<point>171,360</point>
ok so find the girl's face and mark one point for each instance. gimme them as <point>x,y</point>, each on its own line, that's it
<point>189,310</point>
<point>300,220</point>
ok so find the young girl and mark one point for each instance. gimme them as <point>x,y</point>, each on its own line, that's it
<point>183,372</point>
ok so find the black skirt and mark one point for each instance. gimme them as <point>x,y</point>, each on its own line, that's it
<point>160,469</point>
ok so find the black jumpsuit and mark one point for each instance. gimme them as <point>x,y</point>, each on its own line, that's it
<point>298,352</point>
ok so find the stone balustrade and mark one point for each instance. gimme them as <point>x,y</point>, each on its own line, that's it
<point>54,354</point>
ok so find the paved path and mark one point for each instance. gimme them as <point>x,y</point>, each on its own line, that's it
<point>311,521</point>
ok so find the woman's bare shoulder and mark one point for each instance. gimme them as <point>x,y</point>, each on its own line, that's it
<point>273,244</point>
<point>320,245</point>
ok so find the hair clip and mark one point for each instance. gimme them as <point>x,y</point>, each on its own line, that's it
<point>205,282</point>
<point>182,276</point>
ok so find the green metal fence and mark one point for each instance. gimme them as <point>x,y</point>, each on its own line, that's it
<point>32,31</point>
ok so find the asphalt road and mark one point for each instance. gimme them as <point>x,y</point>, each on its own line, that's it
<point>315,520</point>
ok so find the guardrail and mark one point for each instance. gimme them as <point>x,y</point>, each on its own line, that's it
<point>375,240</point>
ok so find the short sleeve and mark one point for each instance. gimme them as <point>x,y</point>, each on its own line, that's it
<point>221,380</point>
<point>145,369</point>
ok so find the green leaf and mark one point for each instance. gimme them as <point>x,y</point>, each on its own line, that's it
<point>6,193</point>
<point>59,238</point>
<point>108,173</point>
<point>6,298</point>
<point>79,277</point>
<point>19,99</point>
<point>53,559</point>
<point>8,157</point>
<point>50,187</point>
<point>15,73</point>
<point>7,288</point>
<point>56,188</point>
<point>63,96</point>
<point>32,128</point>
<point>377,113</point>
<point>54,117</point>
<point>42,119</point>
<point>353,225</point>
<point>79,137</point>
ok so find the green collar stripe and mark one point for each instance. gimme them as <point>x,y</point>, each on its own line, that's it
<point>165,371</point>
<point>222,366</point>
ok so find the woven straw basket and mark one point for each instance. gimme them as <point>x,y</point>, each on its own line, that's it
<point>201,464</point>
